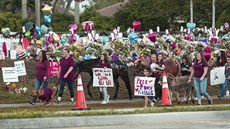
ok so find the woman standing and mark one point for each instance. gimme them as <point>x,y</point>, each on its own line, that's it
<point>186,66</point>
<point>104,64</point>
<point>160,67</point>
<point>221,59</point>
<point>224,86</point>
<point>66,74</point>
<point>41,74</point>
<point>199,74</point>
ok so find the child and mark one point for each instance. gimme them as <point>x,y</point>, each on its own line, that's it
<point>147,74</point>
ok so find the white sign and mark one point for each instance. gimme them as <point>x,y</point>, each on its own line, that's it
<point>13,54</point>
<point>9,74</point>
<point>103,77</point>
<point>217,76</point>
<point>20,67</point>
<point>144,86</point>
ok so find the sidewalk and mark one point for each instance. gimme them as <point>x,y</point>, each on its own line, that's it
<point>95,102</point>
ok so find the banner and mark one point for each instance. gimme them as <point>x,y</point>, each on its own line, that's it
<point>53,68</point>
<point>20,67</point>
<point>9,74</point>
<point>217,76</point>
<point>144,86</point>
<point>103,77</point>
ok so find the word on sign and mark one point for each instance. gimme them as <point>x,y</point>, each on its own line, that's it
<point>103,77</point>
<point>144,86</point>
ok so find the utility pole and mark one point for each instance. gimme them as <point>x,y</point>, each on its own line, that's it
<point>37,12</point>
<point>191,11</point>
<point>77,12</point>
<point>213,13</point>
<point>24,9</point>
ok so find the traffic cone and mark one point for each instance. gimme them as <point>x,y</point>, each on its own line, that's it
<point>80,96</point>
<point>166,100</point>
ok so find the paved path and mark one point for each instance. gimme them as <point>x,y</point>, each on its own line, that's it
<point>174,120</point>
<point>89,102</point>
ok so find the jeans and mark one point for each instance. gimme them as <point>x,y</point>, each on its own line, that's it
<point>70,86</point>
<point>158,90</point>
<point>200,87</point>
<point>104,92</point>
<point>224,88</point>
<point>38,84</point>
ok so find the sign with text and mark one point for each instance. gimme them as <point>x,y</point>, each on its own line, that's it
<point>9,74</point>
<point>103,77</point>
<point>217,76</point>
<point>53,68</point>
<point>20,67</point>
<point>144,86</point>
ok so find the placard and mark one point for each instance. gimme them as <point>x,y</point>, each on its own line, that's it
<point>9,74</point>
<point>53,68</point>
<point>217,76</point>
<point>144,86</point>
<point>20,67</point>
<point>13,54</point>
<point>103,77</point>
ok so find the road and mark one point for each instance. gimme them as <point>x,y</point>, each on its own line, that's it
<point>174,120</point>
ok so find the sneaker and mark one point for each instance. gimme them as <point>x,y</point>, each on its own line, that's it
<point>103,102</point>
<point>57,101</point>
<point>227,93</point>
<point>220,97</point>
<point>154,100</point>
<point>32,103</point>
<point>107,100</point>
<point>210,101</point>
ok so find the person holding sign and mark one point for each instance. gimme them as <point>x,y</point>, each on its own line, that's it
<point>66,74</point>
<point>199,74</point>
<point>148,74</point>
<point>224,86</point>
<point>104,64</point>
<point>41,74</point>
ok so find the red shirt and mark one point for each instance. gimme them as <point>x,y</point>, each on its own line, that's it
<point>41,70</point>
<point>65,64</point>
<point>199,69</point>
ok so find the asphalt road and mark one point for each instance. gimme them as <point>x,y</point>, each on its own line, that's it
<point>174,120</point>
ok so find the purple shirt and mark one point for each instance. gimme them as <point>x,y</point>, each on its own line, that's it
<point>220,64</point>
<point>41,70</point>
<point>103,65</point>
<point>199,69</point>
<point>65,64</point>
<point>47,94</point>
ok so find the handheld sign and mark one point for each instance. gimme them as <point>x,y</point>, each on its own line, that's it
<point>9,74</point>
<point>103,77</point>
<point>217,76</point>
<point>144,86</point>
<point>53,68</point>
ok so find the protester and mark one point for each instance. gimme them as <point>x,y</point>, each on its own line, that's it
<point>66,74</point>
<point>224,86</point>
<point>41,74</point>
<point>199,75</point>
<point>147,74</point>
<point>161,68</point>
<point>104,64</point>
<point>186,66</point>
<point>221,59</point>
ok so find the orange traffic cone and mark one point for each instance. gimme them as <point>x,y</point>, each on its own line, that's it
<point>166,100</point>
<point>80,96</point>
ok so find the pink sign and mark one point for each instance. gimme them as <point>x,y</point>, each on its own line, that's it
<point>53,68</point>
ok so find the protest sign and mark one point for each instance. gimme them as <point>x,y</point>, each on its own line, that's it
<point>20,67</point>
<point>144,86</point>
<point>103,77</point>
<point>53,68</point>
<point>9,74</point>
<point>217,76</point>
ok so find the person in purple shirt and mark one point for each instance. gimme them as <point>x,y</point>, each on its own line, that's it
<point>199,74</point>
<point>221,59</point>
<point>104,64</point>
<point>66,74</point>
<point>41,74</point>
